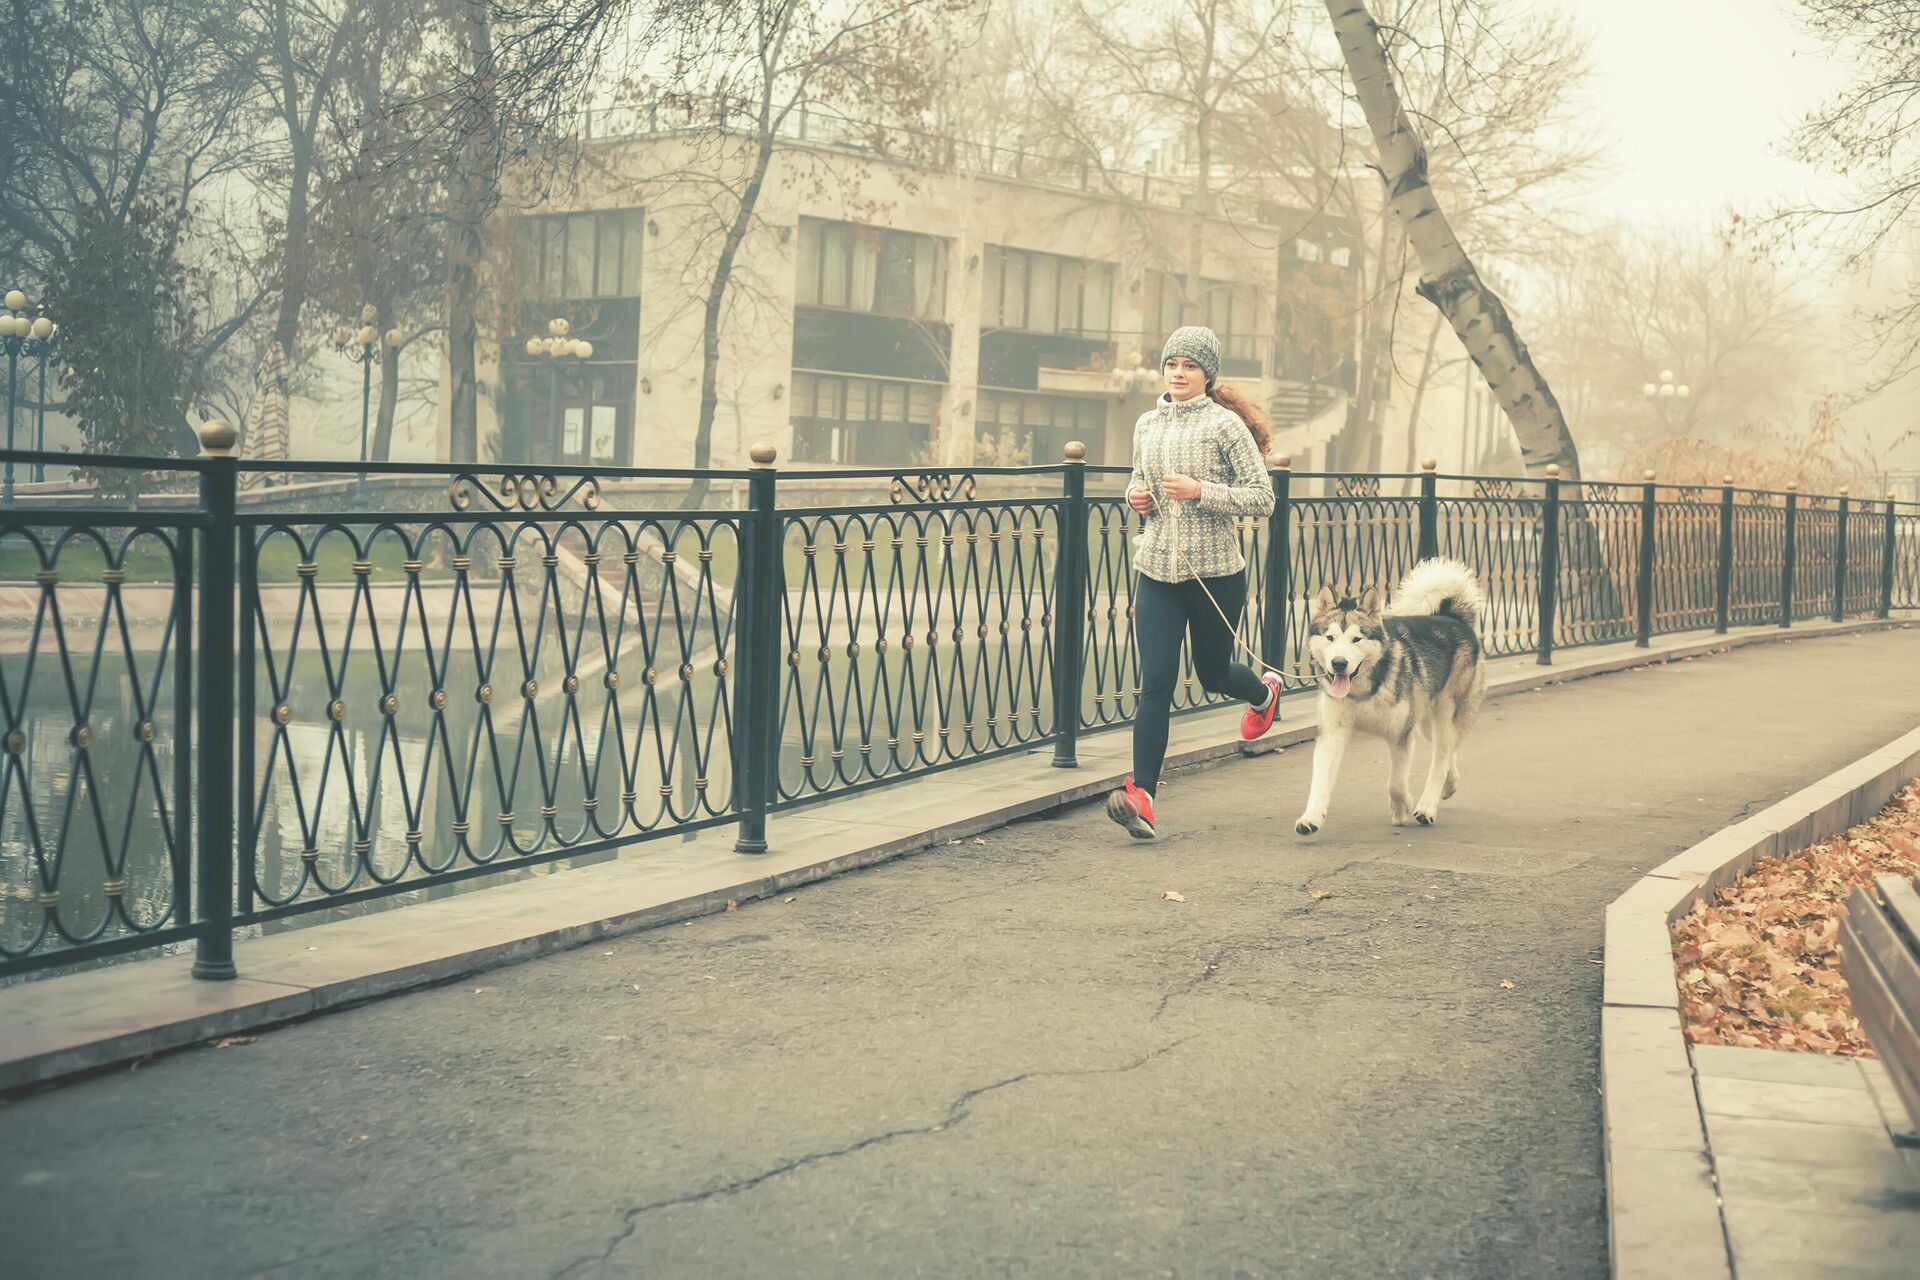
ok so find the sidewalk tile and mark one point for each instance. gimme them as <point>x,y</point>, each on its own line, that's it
<point>1778,1100</point>
<point>1777,1065</point>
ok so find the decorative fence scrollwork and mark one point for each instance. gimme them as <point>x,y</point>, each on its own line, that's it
<point>528,491</point>
<point>933,486</point>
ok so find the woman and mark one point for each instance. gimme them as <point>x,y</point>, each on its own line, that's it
<point>1198,460</point>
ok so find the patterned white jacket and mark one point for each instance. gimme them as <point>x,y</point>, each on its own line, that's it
<point>1206,440</point>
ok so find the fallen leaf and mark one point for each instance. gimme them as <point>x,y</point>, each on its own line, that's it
<point>1173,895</point>
<point>788,898</point>
<point>978,840</point>
<point>1320,895</point>
<point>732,905</point>
<point>1506,984</point>
<point>227,1042</point>
<point>1769,943</point>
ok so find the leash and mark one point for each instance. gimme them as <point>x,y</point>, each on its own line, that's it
<point>1170,512</point>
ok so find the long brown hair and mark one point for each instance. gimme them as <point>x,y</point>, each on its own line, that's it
<point>1248,412</point>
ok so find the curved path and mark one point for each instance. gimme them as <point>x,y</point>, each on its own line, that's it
<point>1010,1058</point>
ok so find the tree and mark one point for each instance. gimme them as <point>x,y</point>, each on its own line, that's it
<point>1190,69</point>
<point>741,77</point>
<point>1449,279</point>
<point>378,230</point>
<point>476,141</point>
<point>128,331</point>
<point>1866,135</point>
<point>1624,305</point>
<point>133,114</point>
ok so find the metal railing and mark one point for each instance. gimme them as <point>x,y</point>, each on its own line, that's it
<point>224,712</point>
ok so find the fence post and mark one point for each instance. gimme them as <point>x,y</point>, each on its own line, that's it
<point>1429,512</point>
<point>1549,564</point>
<point>1840,560</point>
<point>1643,580</point>
<point>758,595</point>
<point>1277,591</point>
<point>1786,560</point>
<point>219,486</point>
<point>1889,550</point>
<point>1723,578</point>
<point>1070,608</point>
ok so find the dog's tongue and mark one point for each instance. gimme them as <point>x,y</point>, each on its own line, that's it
<point>1339,686</point>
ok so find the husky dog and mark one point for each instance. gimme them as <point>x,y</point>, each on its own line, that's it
<point>1418,668</point>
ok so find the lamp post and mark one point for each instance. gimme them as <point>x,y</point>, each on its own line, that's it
<point>33,335</point>
<point>1666,390</point>
<point>362,345</point>
<point>558,346</point>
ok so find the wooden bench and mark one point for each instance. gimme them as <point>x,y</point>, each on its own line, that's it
<point>1880,956</point>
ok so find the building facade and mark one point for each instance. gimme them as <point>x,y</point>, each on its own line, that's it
<point>886,312</point>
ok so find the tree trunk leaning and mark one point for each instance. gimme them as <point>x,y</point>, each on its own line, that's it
<point>1448,278</point>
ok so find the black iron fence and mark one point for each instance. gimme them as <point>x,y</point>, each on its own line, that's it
<point>226,705</point>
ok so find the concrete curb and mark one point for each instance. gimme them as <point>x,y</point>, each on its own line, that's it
<point>68,1025</point>
<point>1663,1202</point>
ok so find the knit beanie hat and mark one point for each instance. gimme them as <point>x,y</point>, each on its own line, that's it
<point>1198,344</point>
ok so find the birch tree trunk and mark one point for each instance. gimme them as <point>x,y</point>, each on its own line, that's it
<point>1447,276</point>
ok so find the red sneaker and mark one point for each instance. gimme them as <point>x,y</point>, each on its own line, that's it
<point>1258,720</point>
<point>1132,808</point>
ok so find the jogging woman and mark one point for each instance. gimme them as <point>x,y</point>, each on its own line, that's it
<point>1198,460</point>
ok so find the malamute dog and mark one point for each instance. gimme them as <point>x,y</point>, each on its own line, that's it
<point>1418,668</point>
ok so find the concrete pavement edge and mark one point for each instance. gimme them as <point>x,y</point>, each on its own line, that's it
<point>1664,1208</point>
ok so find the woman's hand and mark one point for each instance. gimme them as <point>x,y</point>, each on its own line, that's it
<point>1180,488</point>
<point>1140,500</point>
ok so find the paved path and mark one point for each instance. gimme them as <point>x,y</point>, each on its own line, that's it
<point>1012,1058</point>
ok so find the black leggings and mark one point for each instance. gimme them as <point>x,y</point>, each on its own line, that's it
<point>1163,612</point>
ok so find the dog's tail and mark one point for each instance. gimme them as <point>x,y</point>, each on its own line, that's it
<point>1439,586</point>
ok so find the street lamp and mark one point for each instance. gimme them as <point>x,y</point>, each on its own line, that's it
<point>33,335</point>
<point>361,344</point>
<point>558,346</point>
<point>1665,389</point>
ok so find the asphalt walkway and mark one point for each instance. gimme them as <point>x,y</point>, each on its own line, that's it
<point>1012,1057</point>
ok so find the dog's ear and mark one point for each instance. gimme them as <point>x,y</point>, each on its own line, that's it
<point>1370,600</point>
<point>1323,603</point>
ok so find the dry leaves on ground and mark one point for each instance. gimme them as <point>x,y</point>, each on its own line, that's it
<point>1759,966</point>
<point>1174,895</point>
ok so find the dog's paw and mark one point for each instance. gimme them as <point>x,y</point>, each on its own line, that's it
<point>1305,826</point>
<point>1425,818</point>
<point>1453,785</point>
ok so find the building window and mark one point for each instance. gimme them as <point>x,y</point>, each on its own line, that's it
<point>1045,293</point>
<point>865,421</point>
<point>1309,251</point>
<point>1019,430</point>
<point>854,268</point>
<point>586,255</point>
